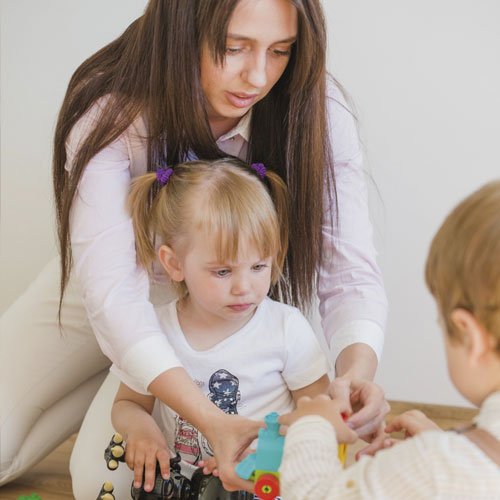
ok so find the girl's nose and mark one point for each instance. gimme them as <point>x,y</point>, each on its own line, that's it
<point>240,286</point>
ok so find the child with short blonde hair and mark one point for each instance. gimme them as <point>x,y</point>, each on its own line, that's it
<point>463,275</point>
<point>222,241</point>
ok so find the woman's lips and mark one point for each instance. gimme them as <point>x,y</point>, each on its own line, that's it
<point>241,100</point>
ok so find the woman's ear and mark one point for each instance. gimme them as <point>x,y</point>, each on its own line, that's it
<point>474,336</point>
<point>171,263</point>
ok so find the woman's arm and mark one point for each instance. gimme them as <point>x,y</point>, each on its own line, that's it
<point>115,290</point>
<point>312,390</point>
<point>353,304</point>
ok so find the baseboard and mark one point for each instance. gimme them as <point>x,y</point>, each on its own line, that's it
<point>435,412</point>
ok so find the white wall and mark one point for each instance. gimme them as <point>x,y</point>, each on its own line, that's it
<point>42,43</point>
<point>424,77</point>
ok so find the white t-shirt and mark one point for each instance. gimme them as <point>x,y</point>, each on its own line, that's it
<point>249,373</point>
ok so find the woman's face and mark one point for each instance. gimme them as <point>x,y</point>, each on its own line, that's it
<point>259,41</point>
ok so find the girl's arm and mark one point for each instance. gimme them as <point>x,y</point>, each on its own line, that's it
<point>145,443</point>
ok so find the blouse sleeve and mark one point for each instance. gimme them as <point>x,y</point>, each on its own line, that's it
<point>353,304</point>
<point>115,290</point>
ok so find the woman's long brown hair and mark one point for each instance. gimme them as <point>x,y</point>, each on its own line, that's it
<point>143,73</point>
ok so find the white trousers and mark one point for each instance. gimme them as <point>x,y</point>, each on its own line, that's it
<point>48,379</point>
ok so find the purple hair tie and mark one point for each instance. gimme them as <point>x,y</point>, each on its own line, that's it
<point>260,169</point>
<point>163,175</point>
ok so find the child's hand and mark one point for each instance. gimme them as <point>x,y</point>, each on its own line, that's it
<point>209,466</point>
<point>411,422</point>
<point>327,408</point>
<point>144,448</point>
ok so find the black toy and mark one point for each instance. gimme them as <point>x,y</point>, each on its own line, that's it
<point>185,482</point>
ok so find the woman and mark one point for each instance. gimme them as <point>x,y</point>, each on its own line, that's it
<point>190,79</point>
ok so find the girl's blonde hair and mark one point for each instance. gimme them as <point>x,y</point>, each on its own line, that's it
<point>225,200</point>
<point>463,265</point>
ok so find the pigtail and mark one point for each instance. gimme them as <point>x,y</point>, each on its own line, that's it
<point>141,207</point>
<point>281,198</point>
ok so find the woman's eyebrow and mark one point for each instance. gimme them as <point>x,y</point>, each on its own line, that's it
<point>234,36</point>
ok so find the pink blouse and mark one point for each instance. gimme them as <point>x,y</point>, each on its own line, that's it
<point>116,291</point>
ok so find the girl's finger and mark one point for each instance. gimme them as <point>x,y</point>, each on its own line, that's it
<point>164,461</point>
<point>138,471</point>
<point>150,472</point>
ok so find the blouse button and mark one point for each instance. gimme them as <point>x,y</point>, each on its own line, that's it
<point>350,484</point>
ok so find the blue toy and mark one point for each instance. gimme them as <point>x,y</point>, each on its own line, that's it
<point>262,466</point>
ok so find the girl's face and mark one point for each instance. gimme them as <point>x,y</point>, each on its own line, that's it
<point>258,46</point>
<point>223,294</point>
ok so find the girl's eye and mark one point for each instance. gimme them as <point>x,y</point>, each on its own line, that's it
<point>259,267</point>
<point>221,273</point>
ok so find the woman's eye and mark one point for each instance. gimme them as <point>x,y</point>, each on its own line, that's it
<point>233,50</point>
<point>282,52</point>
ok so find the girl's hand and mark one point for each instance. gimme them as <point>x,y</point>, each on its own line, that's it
<point>327,408</point>
<point>209,466</point>
<point>144,448</point>
<point>411,423</point>
<point>366,405</point>
<point>230,436</point>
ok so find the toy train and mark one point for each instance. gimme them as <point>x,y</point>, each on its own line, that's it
<point>186,482</point>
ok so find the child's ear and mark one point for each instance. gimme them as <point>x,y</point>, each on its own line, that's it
<point>171,263</point>
<point>475,337</point>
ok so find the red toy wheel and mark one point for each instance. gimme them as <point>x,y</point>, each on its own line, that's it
<point>267,487</point>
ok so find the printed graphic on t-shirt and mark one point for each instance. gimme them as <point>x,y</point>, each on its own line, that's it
<point>224,392</point>
<point>186,441</point>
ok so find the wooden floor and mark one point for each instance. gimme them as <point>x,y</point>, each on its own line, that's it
<point>51,480</point>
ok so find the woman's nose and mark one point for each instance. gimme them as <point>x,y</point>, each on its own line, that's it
<point>255,72</point>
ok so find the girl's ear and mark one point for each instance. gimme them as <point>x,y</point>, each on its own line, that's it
<point>171,263</point>
<point>475,337</point>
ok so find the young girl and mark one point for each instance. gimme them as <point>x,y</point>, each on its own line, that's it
<point>463,274</point>
<point>251,83</point>
<point>223,245</point>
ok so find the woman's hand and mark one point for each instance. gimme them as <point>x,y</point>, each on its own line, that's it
<point>230,436</point>
<point>331,410</point>
<point>411,422</point>
<point>144,448</point>
<point>366,405</point>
